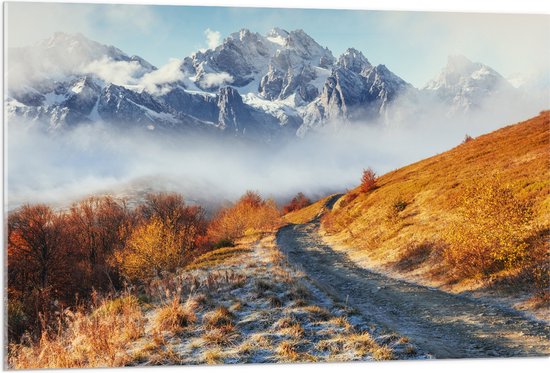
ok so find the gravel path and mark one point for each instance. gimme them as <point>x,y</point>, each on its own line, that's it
<point>442,324</point>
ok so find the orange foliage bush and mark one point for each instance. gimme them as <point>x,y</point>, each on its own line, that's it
<point>368,180</point>
<point>298,202</point>
<point>250,214</point>
<point>151,249</point>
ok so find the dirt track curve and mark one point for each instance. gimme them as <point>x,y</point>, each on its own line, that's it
<point>441,324</point>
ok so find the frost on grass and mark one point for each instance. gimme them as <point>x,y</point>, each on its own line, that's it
<point>247,305</point>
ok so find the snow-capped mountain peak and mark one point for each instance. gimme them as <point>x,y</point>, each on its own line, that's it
<point>278,36</point>
<point>460,71</point>
<point>464,84</point>
<point>354,60</point>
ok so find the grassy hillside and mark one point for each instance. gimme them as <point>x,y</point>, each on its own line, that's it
<point>307,213</point>
<point>474,215</point>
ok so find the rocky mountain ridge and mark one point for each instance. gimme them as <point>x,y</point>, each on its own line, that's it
<point>254,86</point>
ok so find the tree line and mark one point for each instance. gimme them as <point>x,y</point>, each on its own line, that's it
<point>60,258</point>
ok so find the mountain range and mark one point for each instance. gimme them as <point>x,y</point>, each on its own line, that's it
<point>278,85</point>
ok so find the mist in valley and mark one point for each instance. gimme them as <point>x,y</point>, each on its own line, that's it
<point>61,167</point>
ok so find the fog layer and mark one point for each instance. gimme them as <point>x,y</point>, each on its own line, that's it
<point>60,167</point>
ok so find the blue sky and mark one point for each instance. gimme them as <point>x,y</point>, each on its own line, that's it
<point>415,45</point>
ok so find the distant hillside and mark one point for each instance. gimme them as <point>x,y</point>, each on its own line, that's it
<point>422,221</point>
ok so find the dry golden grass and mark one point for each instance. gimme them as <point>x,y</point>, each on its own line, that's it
<point>215,257</point>
<point>317,313</point>
<point>222,336</point>
<point>174,317</point>
<point>287,351</point>
<point>356,344</point>
<point>307,213</point>
<point>165,355</point>
<point>220,317</point>
<point>341,322</point>
<point>213,356</point>
<point>404,221</point>
<point>289,326</point>
<point>99,339</point>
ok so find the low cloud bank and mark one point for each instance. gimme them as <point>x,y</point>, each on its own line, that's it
<point>58,168</point>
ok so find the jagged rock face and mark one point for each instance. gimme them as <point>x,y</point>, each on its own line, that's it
<point>271,84</point>
<point>121,105</point>
<point>354,60</point>
<point>241,56</point>
<point>85,95</point>
<point>279,85</point>
<point>356,93</point>
<point>246,57</point>
<point>464,85</point>
<point>233,116</point>
<point>202,107</point>
<point>59,103</point>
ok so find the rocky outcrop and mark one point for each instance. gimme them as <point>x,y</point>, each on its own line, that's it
<point>354,91</point>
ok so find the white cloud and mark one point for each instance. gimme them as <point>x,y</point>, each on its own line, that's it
<point>116,72</point>
<point>169,73</point>
<point>213,38</point>
<point>132,74</point>
<point>215,79</point>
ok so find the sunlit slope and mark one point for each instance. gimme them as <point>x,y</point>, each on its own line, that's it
<point>405,221</point>
<point>307,213</point>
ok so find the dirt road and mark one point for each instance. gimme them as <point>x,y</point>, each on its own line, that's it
<point>442,324</point>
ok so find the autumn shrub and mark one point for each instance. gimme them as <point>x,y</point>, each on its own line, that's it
<point>368,180</point>
<point>538,269</point>
<point>296,203</point>
<point>250,214</point>
<point>490,232</point>
<point>185,220</point>
<point>467,138</point>
<point>58,258</point>
<point>534,273</point>
<point>153,248</point>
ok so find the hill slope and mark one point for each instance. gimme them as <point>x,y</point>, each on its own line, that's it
<point>494,188</point>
